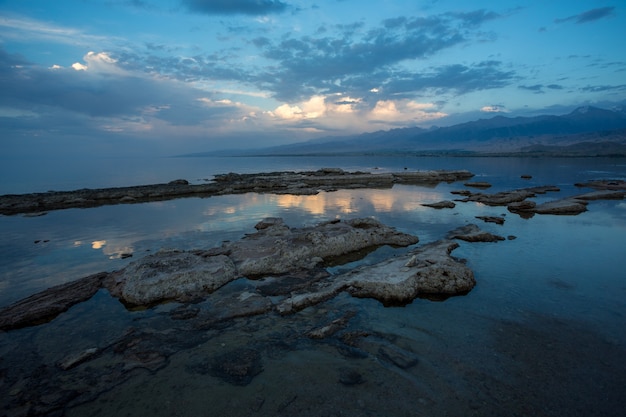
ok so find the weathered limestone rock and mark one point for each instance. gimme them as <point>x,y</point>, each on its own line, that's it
<point>440,204</point>
<point>472,233</point>
<point>46,305</point>
<point>171,275</point>
<point>277,249</point>
<point>429,270</point>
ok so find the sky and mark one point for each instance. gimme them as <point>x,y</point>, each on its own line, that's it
<point>163,77</point>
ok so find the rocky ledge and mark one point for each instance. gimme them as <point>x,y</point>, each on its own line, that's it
<point>288,182</point>
<point>283,270</point>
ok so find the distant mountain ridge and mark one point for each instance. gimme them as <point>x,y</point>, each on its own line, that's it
<point>547,134</point>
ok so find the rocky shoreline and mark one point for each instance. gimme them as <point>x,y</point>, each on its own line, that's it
<point>286,182</point>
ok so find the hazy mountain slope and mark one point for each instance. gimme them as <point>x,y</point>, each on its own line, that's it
<point>498,134</point>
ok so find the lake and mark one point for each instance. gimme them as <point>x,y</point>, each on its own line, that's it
<point>542,333</point>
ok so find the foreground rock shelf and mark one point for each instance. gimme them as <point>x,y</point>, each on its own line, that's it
<point>283,269</point>
<point>288,182</point>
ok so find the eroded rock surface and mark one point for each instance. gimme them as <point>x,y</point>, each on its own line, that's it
<point>278,249</point>
<point>275,249</point>
<point>426,271</point>
<point>171,275</point>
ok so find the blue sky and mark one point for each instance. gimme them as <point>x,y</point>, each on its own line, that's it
<point>174,76</point>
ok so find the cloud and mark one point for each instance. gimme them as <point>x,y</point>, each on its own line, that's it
<point>539,88</point>
<point>229,7</point>
<point>496,108</point>
<point>589,15</point>
<point>320,65</point>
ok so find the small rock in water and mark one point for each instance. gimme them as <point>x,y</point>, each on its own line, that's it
<point>350,377</point>
<point>237,367</point>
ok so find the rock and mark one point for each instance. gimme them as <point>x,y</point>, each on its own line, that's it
<point>526,177</point>
<point>472,233</point>
<point>604,184</point>
<point>170,275</point>
<point>46,305</point>
<point>428,270</point>
<point>237,367</point>
<point>178,182</point>
<point>331,328</point>
<point>401,358</point>
<point>505,198</point>
<point>491,219</point>
<point>276,249</point>
<point>567,206</point>
<point>478,184</point>
<point>525,205</point>
<point>75,360</point>
<point>601,195</point>
<point>440,204</point>
<point>350,377</point>
<point>306,182</point>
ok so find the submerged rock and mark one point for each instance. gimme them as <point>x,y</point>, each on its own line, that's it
<point>46,305</point>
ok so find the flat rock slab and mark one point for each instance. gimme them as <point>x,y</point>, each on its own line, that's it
<point>472,233</point>
<point>46,305</point>
<point>504,198</point>
<point>604,184</point>
<point>171,275</point>
<point>440,204</point>
<point>288,182</point>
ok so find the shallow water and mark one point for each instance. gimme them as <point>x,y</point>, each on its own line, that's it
<point>540,334</point>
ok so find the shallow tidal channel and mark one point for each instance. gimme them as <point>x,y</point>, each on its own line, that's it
<point>540,334</point>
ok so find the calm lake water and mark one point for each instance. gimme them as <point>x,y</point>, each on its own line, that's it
<point>542,333</point>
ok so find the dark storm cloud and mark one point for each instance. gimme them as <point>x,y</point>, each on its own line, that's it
<point>249,7</point>
<point>309,65</point>
<point>589,16</point>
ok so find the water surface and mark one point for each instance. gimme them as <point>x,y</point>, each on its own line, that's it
<point>540,334</point>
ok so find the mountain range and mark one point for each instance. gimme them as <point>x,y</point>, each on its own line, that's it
<point>586,131</point>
